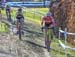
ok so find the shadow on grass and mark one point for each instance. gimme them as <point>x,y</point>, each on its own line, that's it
<point>62,53</point>
<point>35,44</point>
<point>68,55</point>
<point>37,34</point>
<point>5,53</point>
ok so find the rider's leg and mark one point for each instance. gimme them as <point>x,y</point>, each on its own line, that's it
<point>45,36</point>
<point>52,34</point>
<point>17,26</point>
<point>0,14</point>
<point>7,15</point>
<point>21,21</point>
<point>22,26</point>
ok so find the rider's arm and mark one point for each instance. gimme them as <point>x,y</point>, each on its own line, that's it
<point>53,21</point>
<point>42,21</point>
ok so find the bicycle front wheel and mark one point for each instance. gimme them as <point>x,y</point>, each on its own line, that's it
<point>48,39</point>
<point>20,35</point>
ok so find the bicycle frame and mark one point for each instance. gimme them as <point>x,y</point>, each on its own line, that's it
<point>19,30</point>
<point>49,38</point>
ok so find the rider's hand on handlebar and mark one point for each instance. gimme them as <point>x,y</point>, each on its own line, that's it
<point>42,29</point>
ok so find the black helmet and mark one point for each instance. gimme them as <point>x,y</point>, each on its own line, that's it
<point>20,9</point>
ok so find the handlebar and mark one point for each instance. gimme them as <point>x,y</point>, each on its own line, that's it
<point>45,28</point>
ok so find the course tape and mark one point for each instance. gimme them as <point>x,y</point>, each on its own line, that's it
<point>66,32</point>
<point>64,46</point>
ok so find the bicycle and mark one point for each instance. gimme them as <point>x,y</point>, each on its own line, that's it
<point>49,38</point>
<point>19,27</point>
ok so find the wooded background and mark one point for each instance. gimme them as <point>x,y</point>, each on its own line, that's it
<point>64,14</point>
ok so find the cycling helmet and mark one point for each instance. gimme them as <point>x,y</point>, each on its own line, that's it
<point>7,5</point>
<point>20,9</point>
<point>49,14</point>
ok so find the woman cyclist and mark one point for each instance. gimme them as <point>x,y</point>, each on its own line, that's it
<point>20,18</point>
<point>48,22</point>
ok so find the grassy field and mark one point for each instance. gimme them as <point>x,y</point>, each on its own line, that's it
<point>35,14</point>
<point>3,27</point>
<point>58,51</point>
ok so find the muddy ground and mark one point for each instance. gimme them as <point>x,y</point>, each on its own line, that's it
<point>31,45</point>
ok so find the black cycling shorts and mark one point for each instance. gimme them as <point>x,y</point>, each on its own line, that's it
<point>48,24</point>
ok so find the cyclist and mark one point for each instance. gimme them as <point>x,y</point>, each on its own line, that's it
<point>48,22</point>
<point>8,9</point>
<point>20,18</point>
<point>19,11</point>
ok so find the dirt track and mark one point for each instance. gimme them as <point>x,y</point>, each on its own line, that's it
<point>32,44</point>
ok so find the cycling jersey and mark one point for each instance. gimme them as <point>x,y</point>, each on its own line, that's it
<point>19,16</point>
<point>48,21</point>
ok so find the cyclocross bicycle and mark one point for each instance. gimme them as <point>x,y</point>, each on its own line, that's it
<point>20,29</point>
<point>49,38</point>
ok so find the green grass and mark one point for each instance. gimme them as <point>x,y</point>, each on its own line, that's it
<point>31,14</point>
<point>34,14</point>
<point>3,27</point>
<point>56,48</point>
<point>36,18</point>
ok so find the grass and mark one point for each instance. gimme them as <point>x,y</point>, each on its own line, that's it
<point>3,27</point>
<point>56,48</point>
<point>33,14</point>
<point>35,17</point>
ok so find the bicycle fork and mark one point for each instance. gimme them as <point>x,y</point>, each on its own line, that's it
<point>47,44</point>
<point>48,40</point>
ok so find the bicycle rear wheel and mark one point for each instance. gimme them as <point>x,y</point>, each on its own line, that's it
<point>20,33</point>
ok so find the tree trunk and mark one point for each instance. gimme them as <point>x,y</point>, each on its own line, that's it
<point>65,16</point>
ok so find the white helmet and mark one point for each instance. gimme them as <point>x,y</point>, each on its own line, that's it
<point>49,14</point>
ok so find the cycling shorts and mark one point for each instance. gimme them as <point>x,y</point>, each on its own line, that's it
<point>21,21</point>
<point>47,25</point>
